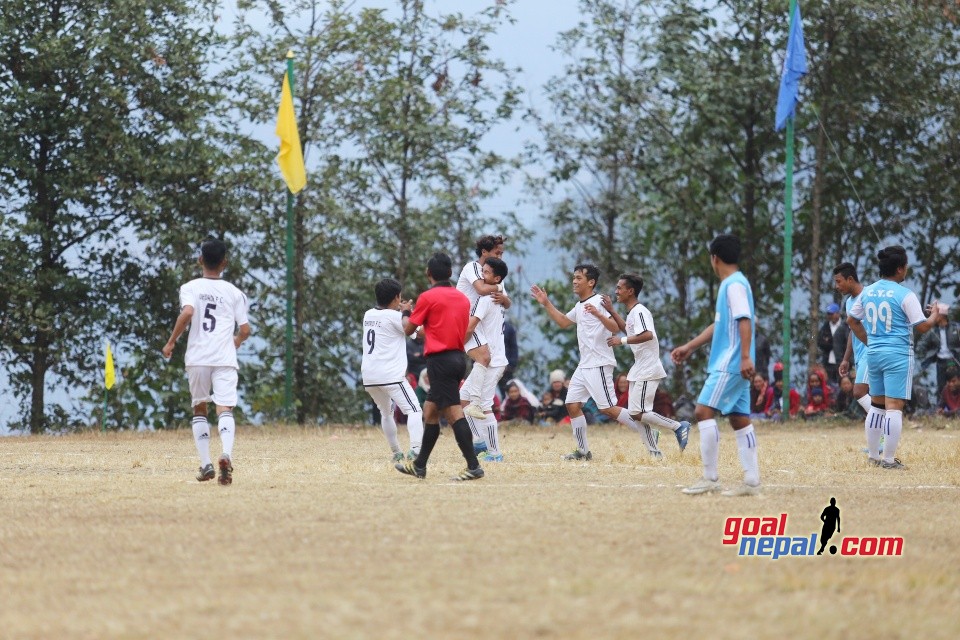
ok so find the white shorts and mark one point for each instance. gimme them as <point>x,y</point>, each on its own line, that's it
<point>596,383</point>
<point>475,339</point>
<point>489,386</point>
<point>641,396</point>
<point>400,392</point>
<point>217,384</point>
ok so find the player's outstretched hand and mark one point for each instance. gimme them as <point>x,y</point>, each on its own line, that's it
<point>613,341</point>
<point>746,368</point>
<point>680,354</point>
<point>539,294</point>
<point>844,368</point>
<point>406,305</point>
<point>606,302</point>
<point>933,310</point>
<point>167,350</point>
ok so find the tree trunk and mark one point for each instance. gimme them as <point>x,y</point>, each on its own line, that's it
<point>38,373</point>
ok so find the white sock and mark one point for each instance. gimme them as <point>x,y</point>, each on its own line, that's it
<point>415,430</point>
<point>874,426</point>
<point>478,433</point>
<point>389,427</point>
<point>579,425</point>
<point>646,434</point>
<point>894,430</point>
<point>492,428</point>
<point>864,401</point>
<point>747,449</point>
<point>659,421</point>
<point>201,437</point>
<point>709,447</point>
<point>226,426</point>
<point>479,376</point>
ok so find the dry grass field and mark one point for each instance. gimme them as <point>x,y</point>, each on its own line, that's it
<point>109,536</point>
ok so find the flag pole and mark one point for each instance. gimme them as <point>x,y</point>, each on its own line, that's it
<point>288,340</point>
<point>788,250</point>
<point>103,421</point>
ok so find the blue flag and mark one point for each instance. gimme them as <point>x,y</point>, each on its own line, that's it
<point>794,68</point>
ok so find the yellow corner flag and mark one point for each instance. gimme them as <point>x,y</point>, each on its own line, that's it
<point>290,157</point>
<point>109,377</point>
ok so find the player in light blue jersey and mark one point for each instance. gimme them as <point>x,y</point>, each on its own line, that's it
<point>847,283</point>
<point>729,371</point>
<point>884,318</point>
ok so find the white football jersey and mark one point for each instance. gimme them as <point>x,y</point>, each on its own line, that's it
<point>647,365</point>
<point>491,326</point>
<point>592,335</point>
<point>218,309</point>
<point>384,347</point>
<point>472,272</point>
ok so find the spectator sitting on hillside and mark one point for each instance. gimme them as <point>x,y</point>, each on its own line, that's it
<point>950,398</point>
<point>773,408</point>
<point>622,388</point>
<point>663,403</point>
<point>846,403</point>
<point>816,404</point>
<point>758,395</point>
<point>515,407</point>
<point>818,379</point>
<point>553,407</point>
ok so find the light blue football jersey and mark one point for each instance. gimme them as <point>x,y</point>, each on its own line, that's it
<point>859,349</point>
<point>888,311</point>
<point>725,347</point>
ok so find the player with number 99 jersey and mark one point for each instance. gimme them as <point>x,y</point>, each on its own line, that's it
<point>218,308</point>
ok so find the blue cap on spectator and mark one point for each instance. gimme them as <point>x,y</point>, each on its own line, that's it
<point>833,308</point>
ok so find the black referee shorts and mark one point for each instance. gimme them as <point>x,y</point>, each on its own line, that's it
<point>446,370</point>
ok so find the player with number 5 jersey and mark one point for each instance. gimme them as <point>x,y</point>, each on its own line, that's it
<point>884,318</point>
<point>216,312</point>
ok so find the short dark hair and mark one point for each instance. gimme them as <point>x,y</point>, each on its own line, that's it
<point>890,259</point>
<point>213,251</point>
<point>386,290</point>
<point>498,266</point>
<point>846,270</point>
<point>633,281</point>
<point>488,243</point>
<point>440,267</point>
<point>726,247</point>
<point>951,373</point>
<point>590,271</point>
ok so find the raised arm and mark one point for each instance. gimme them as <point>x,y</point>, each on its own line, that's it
<point>683,352</point>
<point>607,304</point>
<point>555,314</point>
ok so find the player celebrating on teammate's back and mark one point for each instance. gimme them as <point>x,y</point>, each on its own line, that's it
<point>471,284</point>
<point>486,317</point>
<point>594,374</point>
<point>729,371</point>
<point>891,313</point>
<point>211,357</point>
<point>647,371</point>
<point>384,366</point>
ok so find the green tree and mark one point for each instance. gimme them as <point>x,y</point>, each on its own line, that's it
<point>393,110</point>
<point>109,169</point>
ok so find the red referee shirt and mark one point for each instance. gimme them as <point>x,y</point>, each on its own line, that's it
<point>444,314</point>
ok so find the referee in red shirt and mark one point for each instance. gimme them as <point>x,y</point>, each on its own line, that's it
<point>444,313</point>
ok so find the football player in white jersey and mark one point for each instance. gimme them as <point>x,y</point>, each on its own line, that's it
<point>471,284</point>
<point>594,374</point>
<point>384,366</point>
<point>647,370</point>
<point>486,316</point>
<point>212,308</point>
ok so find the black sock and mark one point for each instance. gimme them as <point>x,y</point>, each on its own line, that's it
<point>461,431</point>
<point>431,433</point>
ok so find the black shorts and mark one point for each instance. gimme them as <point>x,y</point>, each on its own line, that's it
<point>446,370</point>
